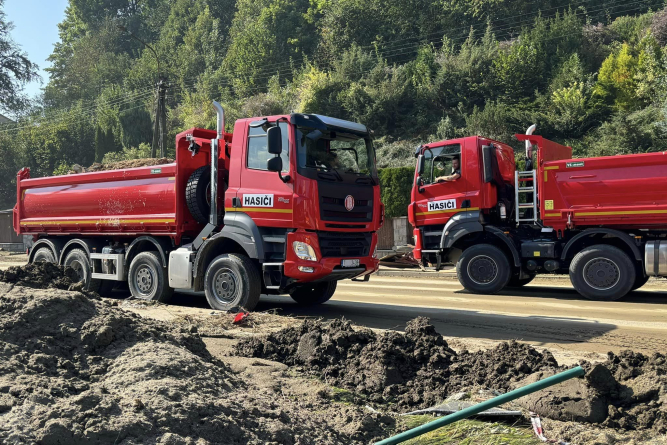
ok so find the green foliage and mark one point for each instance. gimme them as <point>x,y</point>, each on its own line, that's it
<point>413,71</point>
<point>141,152</point>
<point>15,68</point>
<point>396,185</point>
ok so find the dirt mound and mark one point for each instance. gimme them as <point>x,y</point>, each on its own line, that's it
<point>120,165</point>
<point>40,276</point>
<point>418,369</point>
<point>79,370</point>
<point>412,370</point>
<point>628,391</point>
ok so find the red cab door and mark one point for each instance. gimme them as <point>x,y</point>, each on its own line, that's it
<point>263,195</point>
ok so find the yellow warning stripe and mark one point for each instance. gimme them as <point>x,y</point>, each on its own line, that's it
<point>548,215</point>
<point>446,211</point>
<point>545,176</point>
<point>257,209</point>
<point>552,167</point>
<point>97,221</point>
<point>625,212</point>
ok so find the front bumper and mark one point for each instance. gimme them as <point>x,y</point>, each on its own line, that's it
<point>324,269</point>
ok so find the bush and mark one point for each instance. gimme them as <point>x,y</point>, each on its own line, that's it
<point>396,186</point>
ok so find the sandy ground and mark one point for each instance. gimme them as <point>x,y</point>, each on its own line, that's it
<point>548,313</point>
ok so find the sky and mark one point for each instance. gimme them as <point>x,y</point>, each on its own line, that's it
<point>36,30</point>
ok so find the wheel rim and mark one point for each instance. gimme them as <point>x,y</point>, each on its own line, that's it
<point>79,269</point>
<point>225,285</point>
<point>482,269</point>
<point>144,280</point>
<point>601,273</point>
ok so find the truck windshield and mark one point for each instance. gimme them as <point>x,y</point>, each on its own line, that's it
<point>337,151</point>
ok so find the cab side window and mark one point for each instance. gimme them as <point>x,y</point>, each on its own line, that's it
<point>439,161</point>
<point>258,152</point>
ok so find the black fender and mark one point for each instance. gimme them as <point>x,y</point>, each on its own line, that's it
<point>508,242</point>
<point>86,244</point>
<point>239,230</point>
<point>162,246</point>
<point>627,239</point>
<point>55,244</point>
<point>458,226</point>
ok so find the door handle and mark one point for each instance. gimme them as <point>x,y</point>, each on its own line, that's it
<point>582,176</point>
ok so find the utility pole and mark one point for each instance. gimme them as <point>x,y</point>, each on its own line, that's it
<point>160,127</point>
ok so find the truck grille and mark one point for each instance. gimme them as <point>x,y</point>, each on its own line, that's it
<point>332,202</point>
<point>340,244</point>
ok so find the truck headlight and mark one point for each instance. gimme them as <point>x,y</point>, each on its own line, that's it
<point>304,251</point>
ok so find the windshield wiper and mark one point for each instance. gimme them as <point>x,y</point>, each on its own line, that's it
<point>329,174</point>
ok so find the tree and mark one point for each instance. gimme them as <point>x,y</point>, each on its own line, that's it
<point>15,68</point>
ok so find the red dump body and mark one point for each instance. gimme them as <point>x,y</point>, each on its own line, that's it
<point>135,201</point>
<point>628,190</point>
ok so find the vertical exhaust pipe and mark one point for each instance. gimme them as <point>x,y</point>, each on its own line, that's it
<point>220,128</point>
<point>529,145</point>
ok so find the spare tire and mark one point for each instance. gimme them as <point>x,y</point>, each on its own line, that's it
<point>198,194</point>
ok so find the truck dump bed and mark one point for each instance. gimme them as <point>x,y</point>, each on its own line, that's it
<point>627,190</point>
<point>144,200</point>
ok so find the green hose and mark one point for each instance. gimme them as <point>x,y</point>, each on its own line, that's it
<point>483,406</point>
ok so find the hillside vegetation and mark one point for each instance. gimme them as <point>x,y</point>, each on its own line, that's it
<point>590,73</point>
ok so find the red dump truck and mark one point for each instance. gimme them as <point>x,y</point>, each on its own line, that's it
<point>602,220</point>
<point>286,204</point>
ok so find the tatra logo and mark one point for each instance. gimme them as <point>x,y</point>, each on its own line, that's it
<point>422,205</point>
<point>349,202</point>
<point>285,200</point>
<point>257,200</point>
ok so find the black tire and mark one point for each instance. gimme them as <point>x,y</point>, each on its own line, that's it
<point>313,294</point>
<point>483,269</point>
<point>78,260</point>
<point>640,280</point>
<point>602,273</point>
<point>44,254</point>
<point>515,281</point>
<point>232,281</point>
<point>147,278</point>
<point>197,194</point>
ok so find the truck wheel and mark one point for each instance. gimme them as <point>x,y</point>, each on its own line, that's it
<point>78,260</point>
<point>602,272</point>
<point>232,281</point>
<point>313,294</point>
<point>483,269</point>
<point>515,281</point>
<point>147,278</point>
<point>198,194</point>
<point>44,255</point>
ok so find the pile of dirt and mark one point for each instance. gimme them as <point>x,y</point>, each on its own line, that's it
<point>40,276</point>
<point>120,165</point>
<point>418,369</point>
<point>628,391</point>
<point>75,369</point>
<point>412,370</point>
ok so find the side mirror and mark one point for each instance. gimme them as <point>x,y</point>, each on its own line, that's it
<point>275,141</point>
<point>488,154</point>
<point>420,165</point>
<point>275,164</point>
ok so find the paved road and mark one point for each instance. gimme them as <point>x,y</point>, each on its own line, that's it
<point>545,314</point>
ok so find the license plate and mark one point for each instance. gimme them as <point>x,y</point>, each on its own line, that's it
<point>349,263</point>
